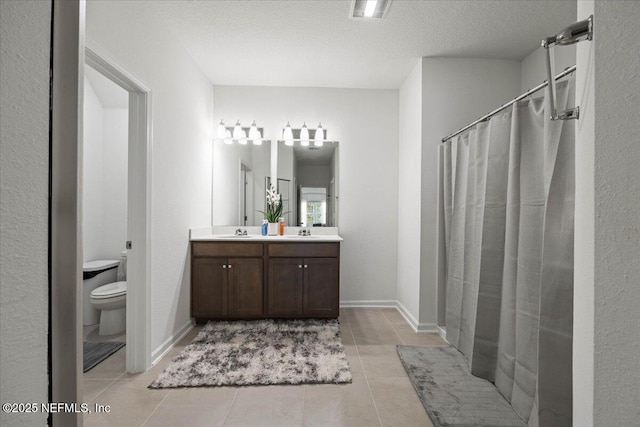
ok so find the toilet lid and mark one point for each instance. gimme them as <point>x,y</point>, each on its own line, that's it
<point>101,264</point>
<point>110,290</point>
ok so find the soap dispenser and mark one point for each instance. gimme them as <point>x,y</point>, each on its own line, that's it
<point>281,229</point>
<point>265,226</point>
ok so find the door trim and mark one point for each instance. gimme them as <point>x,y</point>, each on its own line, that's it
<point>138,348</point>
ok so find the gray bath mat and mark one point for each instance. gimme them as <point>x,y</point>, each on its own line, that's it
<point>450,394</point>
<point>95,352</point>
<point>259,353</point>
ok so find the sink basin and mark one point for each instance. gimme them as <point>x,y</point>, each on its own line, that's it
<point>291,236</point>
<point>233,236</point>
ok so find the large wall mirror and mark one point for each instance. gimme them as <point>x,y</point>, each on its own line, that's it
<point>308,178</point>
<point>240,173</point>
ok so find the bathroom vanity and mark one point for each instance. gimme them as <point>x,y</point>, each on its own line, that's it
<point>259,277</point>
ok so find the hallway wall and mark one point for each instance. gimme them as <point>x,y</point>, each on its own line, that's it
<point>25,29</point>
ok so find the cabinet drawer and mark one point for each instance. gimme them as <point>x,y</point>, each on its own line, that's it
<point>211,249</point>
<point>303,249</point>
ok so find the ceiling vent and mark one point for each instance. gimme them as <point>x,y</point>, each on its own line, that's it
<point>373,9</point>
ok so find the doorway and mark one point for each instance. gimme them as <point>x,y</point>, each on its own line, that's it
<point>138,202</point>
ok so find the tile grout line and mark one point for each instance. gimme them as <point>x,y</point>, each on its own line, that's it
<point>156,408</point>
<point>366,378</point>
<point>226,415</point>
<point>101,391</point>
<point>394,328</point>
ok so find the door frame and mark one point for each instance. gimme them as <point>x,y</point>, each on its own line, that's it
<point>138,348</point>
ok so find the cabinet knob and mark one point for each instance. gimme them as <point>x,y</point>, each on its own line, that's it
<point>299,265</point>
<point>230,266</point>
<point>224,266</point>
<point>306,266</point>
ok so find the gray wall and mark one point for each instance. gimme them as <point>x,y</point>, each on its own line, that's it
<point>24,168</point>
<point>455,92</point>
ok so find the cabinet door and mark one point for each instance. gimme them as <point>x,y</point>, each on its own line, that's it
<point>321,287</point>
<point>209,287</point>
<point>284,287</point>
<point>245,287</point>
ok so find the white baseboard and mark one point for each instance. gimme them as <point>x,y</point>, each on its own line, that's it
<point>411,320</point>
<point>170,342</point>
<point>442,331</point>
<point>368,303</point>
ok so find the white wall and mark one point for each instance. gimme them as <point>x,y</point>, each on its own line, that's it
<point>182,132</point>
<point>409,192</point>
<point>25,29</point>
<point>455,92</point>
<point>104,172</point>
<point>534,69</point>
<point>114,176</point>
<point>366,124</point>
<point>92,174</point>
<point>607,295</point>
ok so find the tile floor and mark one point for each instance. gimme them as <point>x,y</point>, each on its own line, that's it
<point>90,333</point>
<point>380,395</point>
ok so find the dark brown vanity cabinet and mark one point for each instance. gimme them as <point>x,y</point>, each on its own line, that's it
<point>306,286</point>
<point>226,287</point>
<point>250,280</point>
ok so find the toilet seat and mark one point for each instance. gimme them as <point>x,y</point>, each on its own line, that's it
<point>110,290</point>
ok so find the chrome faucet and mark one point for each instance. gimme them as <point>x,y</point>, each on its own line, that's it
<point>240,232</point>
<point>304,232</point>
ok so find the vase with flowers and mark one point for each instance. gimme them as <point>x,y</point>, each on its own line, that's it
<point>274,210</point>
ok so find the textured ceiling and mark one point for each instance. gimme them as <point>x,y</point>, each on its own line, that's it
<point>314,43</point>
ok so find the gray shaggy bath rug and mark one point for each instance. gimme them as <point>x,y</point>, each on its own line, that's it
<point>260,352</point>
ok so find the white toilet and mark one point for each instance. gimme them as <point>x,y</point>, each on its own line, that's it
<point>111,302</point>
<point>95,274</point>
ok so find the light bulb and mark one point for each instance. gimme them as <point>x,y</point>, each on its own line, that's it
<point>304,135</point>
<point>243,138</point>
<point>257,141</point>
<point>227,137</point>
<point>287,135</point>
<point>221,129</point>
<point>237,131</point>
<point>319,138</point>
<point>253,131</point>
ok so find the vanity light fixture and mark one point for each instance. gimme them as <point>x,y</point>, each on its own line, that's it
<point>238,134</point>
<point>287,135</point>
<point>304,135</point>
<point>319,137</point>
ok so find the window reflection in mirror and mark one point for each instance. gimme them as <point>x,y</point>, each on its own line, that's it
<point>308,176</point>
<point>239,176</point>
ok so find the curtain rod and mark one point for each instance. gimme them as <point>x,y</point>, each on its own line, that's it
<point>566,72</point>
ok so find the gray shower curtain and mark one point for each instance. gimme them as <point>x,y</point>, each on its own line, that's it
<point>508,195</point>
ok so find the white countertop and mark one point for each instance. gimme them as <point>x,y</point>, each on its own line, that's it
<point>291,238</point>
<point>227,234</point>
